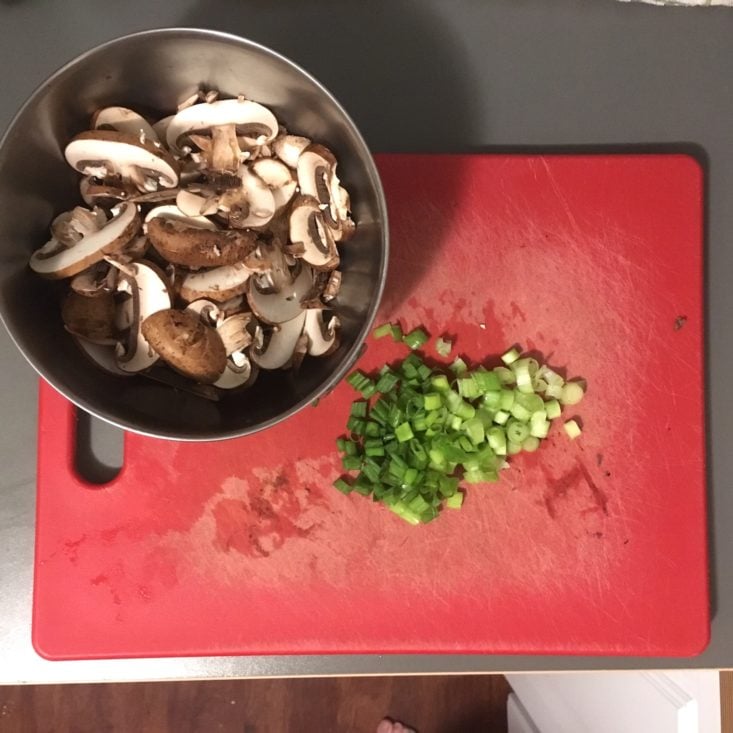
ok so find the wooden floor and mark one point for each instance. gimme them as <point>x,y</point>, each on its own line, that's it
<point>475,704</point>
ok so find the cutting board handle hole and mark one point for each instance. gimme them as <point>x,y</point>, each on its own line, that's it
<point>99,451</point>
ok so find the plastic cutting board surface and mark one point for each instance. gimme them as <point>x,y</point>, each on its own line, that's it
<point>596,546</point>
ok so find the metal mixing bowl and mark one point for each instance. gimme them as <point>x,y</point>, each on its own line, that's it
<point>152,72</point>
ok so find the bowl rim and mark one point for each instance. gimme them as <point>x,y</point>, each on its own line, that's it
<point>347,362</point>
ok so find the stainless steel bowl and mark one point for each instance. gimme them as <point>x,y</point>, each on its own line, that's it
<point>153,71</point>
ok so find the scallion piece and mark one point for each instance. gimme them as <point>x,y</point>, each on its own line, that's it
<point>553,409</point>
<point>358,409</point>
<point>510,356</point>
<point>572,429</point>
<point>531,444</point>
<point>458,366</point>
<point>415,339</point>
<point>572,393</point>
<point>443,346</point>
<point>381,331</point>
<point>403,432</point>
<point>432,401</point>
<point>455,501</point>
<point>397,332</point>
<point>342,486</point>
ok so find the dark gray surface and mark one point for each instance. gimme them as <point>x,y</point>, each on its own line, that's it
<point>432,76</point>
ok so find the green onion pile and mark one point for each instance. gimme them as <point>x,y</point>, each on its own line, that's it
<point>418,432</point>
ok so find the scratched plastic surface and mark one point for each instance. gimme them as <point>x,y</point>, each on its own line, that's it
<point>596,546</point>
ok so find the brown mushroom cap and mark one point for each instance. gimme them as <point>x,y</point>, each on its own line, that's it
<point>197,247</point>
<point>186,344</point>
<point>90,318</point>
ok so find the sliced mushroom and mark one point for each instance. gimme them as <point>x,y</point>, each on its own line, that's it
<point>125,120</point>
<point>289,147</point>
<point>101,356</point>
<point>107,192</point>
<point>219,284</point>
<point>161,127</point>
<point>235,304</point>
<point>309,231</point>
<point>146,285</point>
<point>321,337</point>
<point>207,311</point>
<point>92,319</point>
<point>235,332</point>
<point>171,211</point>
<point>193,204</point>
<point>280,347</point>
<point>103,153</point>
<point>278,178</point>
<point>186,344</point>
<point>56,261</point>
<point>195,247</point>
<point>221,151</point>
<point>98,279</point>
<point>260,201</point>
<point>252,120</point>
<point>333,286</point>
<point>154,197</point>
<point>283,305</point>
<point>240,372</point>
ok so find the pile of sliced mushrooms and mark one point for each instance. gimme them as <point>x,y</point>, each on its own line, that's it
<point>208,244</point>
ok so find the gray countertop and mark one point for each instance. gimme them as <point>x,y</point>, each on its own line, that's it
<point>454,75</point>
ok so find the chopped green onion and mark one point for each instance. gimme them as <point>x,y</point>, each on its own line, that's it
<point>342,486</point>
<point>415,339</point>
<point>554,391</point>
<point>432,401</point>
<point>506,376</point>
<point>426,433</point>
<point>458,366</point>
<point>501,417</point>
<point>455,501</point>
<point>531,444</point>
<point>510,356</point>
<point>358,409</point>
<point>443,346</point>
<point>497,440</point>
<point>572,393</point>
<point>572,429</point>
<point>396,332</point>
<point>381,331</point>
<point>553,409</point>
<point>351,463</point>
<point>403,432</point>
<point>517,432</point>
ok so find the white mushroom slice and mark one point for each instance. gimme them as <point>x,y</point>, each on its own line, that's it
<point>289,147</point>
<point>235,332</point>
<point>317,177</point>
<point>239,372</point>
<point>206,310</point>
<point>191,204</point>
<point>279,179</point>
<point>260,199</point>
<point>321,337</point>
<point>172,211</point>
<point>160,128</point>
<point>273,172</point>
<point>103,153</point>
<point>310,237</point>
<point>149,295</point>
<point>284,305</point>
<point>219,283</point>
<point>251,119</point>
<point>279,350</point>
<point>55,261</point>
<point>101,356</point>
<point>123,119</point>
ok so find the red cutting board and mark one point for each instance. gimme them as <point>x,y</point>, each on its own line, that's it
<point>596,546</point>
